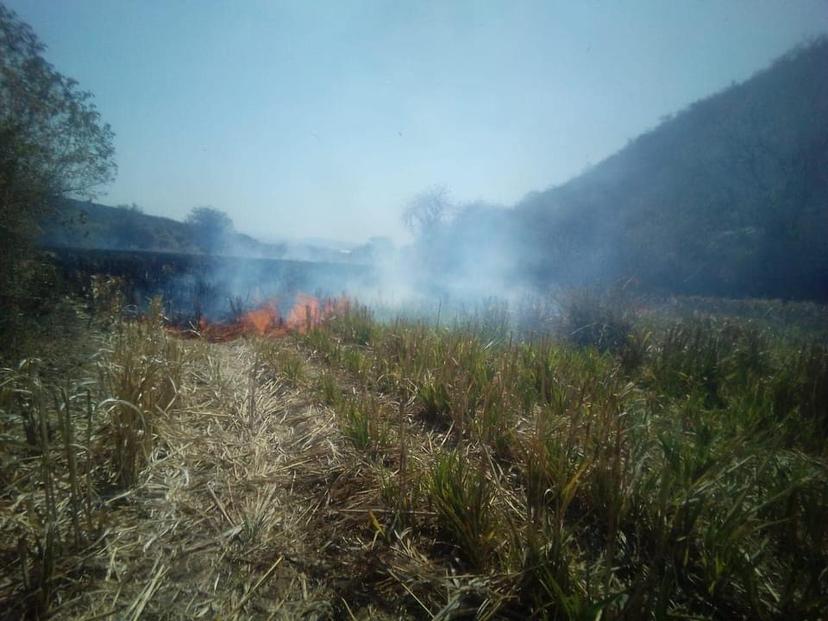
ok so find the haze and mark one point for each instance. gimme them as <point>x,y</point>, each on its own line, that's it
<point>323,120</point>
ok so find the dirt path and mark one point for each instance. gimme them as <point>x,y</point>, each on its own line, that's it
<point>233,517</point>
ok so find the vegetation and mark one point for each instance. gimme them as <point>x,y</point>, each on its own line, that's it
<point>565,482</point>
<point>660,465</point>
<point>52,143</point>
<point>424,215</point>
<point>581,457</point>
<point>726,198</point>
<point>84,224</point>
<point>80,441</point>
<point>211,229</point>
<point>195,286</point>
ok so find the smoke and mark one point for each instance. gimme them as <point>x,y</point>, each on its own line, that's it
<point>701,205</point>
<point>464,258</point>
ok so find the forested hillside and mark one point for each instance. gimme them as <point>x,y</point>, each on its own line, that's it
<point>84,224</point>
<point>87,225</point>
<point>728,197</point>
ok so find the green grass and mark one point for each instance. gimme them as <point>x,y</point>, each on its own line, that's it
<point>639,468</point>
<point>277,358</point>
<point>363,424</point>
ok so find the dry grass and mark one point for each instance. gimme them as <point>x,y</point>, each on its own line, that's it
<point>227,509</point>
<point>401,470</point>
<point>679,472</point>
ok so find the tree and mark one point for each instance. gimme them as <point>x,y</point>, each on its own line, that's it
<point>52,144</point>
<point>133,208</point>
<point>427,211</point>
<point>53,138</point>
<point>210,228</point>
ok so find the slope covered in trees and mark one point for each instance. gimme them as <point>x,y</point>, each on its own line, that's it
<point>88,225</point>
<point>84,224</point>
<point>728,197</point>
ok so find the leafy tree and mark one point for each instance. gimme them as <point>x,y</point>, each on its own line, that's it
<point>210,228</point>
<point>53,140</point>
<point>52,143</point>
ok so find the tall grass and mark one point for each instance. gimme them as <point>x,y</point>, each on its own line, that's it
<point>141,372</point>
<point>279,359</point>
<point>81,438</point>
<point>363,424</point>
<point>626,467</point>
<point>53,482</point>
<point>461,496</point>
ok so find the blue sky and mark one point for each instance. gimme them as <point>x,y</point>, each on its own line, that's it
<point>324,118</point>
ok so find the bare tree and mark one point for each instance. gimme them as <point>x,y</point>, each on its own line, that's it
<point>427,211</point>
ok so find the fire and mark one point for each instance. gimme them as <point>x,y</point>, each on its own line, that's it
<point>261,319</point>
<point>306,313</point>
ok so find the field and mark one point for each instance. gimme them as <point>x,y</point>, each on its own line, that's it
<point>615,459</point>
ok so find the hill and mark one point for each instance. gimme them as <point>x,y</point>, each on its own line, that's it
<point>84,224</point>
<point>729,197</point>
<point>88,225</point>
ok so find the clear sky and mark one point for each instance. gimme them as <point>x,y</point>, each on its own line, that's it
<point>323,118</point>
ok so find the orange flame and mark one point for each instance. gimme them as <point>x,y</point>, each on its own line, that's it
<point>261,319</point>
<point>265,320</point>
